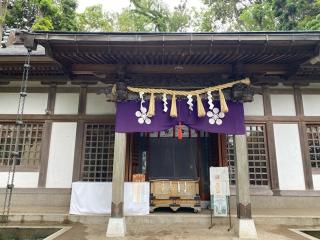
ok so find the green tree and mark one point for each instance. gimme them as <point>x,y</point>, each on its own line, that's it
<point>4,4</point>
<point>221,14</point>
<point>284,15</point>
<point>257,17</point>
<point>310,23</point>
<point>95,19</point>
<point>289,13</point>
<point>158,14</point>
<point>129,21</point>
<point>42,15</point>
<point>180,19</point>
<point>68,15</point>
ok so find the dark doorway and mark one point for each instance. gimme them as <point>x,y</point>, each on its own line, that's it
<point>171,158</point>
<point>163,156</point>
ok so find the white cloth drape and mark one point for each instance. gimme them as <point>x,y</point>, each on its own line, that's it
<point>95,198</point>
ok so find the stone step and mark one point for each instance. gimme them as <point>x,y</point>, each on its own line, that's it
<point>164,218</point>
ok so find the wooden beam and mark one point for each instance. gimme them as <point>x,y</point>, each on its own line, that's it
<point>93,69</point>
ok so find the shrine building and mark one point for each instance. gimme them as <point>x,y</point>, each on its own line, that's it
<point>152,112</point>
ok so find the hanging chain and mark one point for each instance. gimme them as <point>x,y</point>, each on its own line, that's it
<point>14,155</point>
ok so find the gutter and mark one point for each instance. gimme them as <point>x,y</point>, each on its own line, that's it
<point>31,39</point>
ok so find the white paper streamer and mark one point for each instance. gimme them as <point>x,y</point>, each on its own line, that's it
<point>142,100</point>
<point>165,103</point>
<point>210,101</point>
<point>190,99</point>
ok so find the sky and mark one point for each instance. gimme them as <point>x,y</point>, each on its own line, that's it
<point>117,5</point>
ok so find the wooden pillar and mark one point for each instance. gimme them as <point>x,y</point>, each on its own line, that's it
<point>307,168</point>
<point>116,224</point>
<point>118,175</point>
<point>245,227</point>
<point>270,141</point>
<point>45,145</point>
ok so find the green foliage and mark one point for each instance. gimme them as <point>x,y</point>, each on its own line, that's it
<point>156,16</point>
<point>180,19</point>
<point>155,12</point>
<point>3,10</point>
<point>310,23</point>
<point>42,23</point>
<point>284,15</point>
<point>257,17</point>
<point>129,21</point>
<point>68,15</point>
<point>42,15</point>
<point>221,14</point>
<point>142,16</point>
<point>22,15</point>
<point>95,19</point>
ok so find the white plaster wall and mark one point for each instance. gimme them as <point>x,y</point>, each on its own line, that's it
<point>254,108</point>
<point>30,84</point>
<point>66,103</point>
<point>61,155</point>
<point>97,104</point>
<point>281,86</point>
<point>311,104</point>
<point>21,179</point>
<point>36,103</point>
<point>316,181</point>
<point>289,158</point>
<point>283,105</point>
<point>312,85</point>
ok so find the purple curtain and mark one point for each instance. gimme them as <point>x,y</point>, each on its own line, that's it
<point>127,118</point>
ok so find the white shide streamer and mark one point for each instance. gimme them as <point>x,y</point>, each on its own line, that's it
<point>165,103</point>
<point>210,101</point>
<point>142,100</point>
<point>190,99</point>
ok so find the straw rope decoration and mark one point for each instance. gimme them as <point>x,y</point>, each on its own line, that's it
<point>196,93</point>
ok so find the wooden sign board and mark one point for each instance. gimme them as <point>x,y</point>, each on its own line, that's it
<point>219,190</point>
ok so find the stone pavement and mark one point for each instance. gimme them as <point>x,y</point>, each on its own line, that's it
<point>272,224</point>
<point>176,232</point>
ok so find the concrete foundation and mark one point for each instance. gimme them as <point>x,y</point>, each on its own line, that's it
<point>245,229</point>
<point>60,198</point>
<point>116,227</point>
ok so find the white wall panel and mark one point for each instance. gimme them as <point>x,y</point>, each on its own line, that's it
<point>312,85</point>
<point>36,103</point>
<point>97,104</point>
<point>61,155</point>
<point>254,108</point>
<point>283,105</point>
<point>66,103</point>
<point>311,104</point>
<point>289,158</point>
<point>316,181</point>
<point>21,179</point>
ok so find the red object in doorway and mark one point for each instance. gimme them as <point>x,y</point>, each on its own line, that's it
<point>180,131</point>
